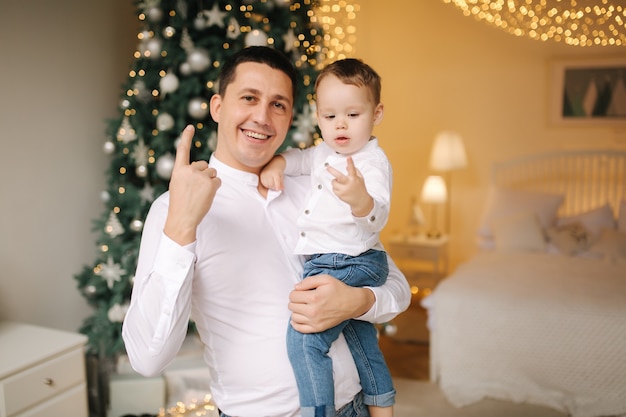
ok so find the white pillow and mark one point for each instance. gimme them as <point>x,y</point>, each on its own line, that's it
<point>611,244</point>
<point>595,221</point>
<point>519,232</point>
<point>506,202</point>
<point>621,220</point>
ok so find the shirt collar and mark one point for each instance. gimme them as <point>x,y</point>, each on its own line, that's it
<point>224,171</point>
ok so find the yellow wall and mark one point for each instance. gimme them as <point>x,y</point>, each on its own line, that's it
<point>444,71</point>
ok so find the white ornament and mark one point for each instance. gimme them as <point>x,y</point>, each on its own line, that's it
<point>215,16</point>
<point>256,38</point>
<point>165,165</point>
<point>111,272</point>
<point>140,153</point>
<point>234,30</point>
<point>198,108</point>
<point>124,103</point>
<point>153,48</point>
<point>199,59</point>
<point>168,83</point>
<point>290,40</point>
<point>185,68</point>
<point>141,171</point>
<point>113,226</point>
<point>105,196</point>
<point>126,133</point>
<point>154,14</point>
<point>199,22</point>
<point>147,193</point>
<point>169,31</point>
<point>136,225</point>
<point>117,313</point>
<point>164,121</point>
<point>109,147</point>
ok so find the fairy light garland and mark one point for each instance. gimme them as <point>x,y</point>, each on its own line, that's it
<point>574,22</point>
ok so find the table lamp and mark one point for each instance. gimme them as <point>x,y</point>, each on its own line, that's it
<point>434,192</point>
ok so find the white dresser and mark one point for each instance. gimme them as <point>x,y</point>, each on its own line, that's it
<point>42,372</point>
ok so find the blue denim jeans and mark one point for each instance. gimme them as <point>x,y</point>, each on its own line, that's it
<point>355,408</point>
<point>308,353</point>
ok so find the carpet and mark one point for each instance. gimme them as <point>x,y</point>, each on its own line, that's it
<point>424,399</point>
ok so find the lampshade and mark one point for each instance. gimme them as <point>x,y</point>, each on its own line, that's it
<point>434,190</point>
<point>448,153</point>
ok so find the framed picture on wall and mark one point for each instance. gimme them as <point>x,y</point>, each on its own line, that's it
<point>588,92</point>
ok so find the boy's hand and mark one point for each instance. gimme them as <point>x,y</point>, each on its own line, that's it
<point>351,189</point>
<point>272,174</point>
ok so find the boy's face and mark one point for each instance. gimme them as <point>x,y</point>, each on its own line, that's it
<point>253,116</point>
<point>346,114</point>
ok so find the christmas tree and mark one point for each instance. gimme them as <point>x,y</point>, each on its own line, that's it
<point>182,45</point>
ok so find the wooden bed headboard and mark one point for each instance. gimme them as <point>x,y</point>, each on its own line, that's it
<point>587,178</point>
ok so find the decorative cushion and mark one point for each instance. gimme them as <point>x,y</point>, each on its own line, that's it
<point>594,220</point>
<point>518,232</point>
<point>570,239</point>
<point>505,202</point>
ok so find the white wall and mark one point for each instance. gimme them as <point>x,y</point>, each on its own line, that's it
<point>61,67</point>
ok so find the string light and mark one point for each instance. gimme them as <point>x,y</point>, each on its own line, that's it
<point>575,22</point>
<point>337,18</point>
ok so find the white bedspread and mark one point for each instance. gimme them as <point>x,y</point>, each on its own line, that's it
<point>532,327</point>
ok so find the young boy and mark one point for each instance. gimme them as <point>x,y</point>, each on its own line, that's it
<point>339,229</point>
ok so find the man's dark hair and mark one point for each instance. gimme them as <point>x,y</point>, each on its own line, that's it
<point>261,55</point>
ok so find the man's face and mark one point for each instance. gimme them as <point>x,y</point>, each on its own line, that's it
<point>253,116</point>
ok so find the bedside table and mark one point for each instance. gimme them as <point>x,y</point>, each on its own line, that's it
<point>420,254</point>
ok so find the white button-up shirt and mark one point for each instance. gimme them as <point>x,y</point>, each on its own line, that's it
<point>326,224</point>
<point>235,282</point>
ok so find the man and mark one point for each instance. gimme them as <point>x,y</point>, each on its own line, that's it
<point>218,247</point>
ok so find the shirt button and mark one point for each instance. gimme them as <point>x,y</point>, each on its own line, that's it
<point>319,186</point>
<point>372,218</point>
<point>302,234</point>
<point>326,164</point>
<point>307,211</point>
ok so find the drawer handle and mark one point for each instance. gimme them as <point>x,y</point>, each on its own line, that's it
<point>48,381</point>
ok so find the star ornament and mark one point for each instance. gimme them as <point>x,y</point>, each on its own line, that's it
<point>215,16</point>
<point>111,272</point>
<point>290,40</point>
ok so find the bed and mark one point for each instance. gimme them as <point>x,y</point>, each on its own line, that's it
<point>538,315</point>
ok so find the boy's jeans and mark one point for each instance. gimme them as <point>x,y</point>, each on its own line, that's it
<point>308,353</point>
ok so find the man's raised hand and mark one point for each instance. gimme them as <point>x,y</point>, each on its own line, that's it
<point>192,189</point>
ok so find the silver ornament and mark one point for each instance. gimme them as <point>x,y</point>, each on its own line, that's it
<point>136,225</point>
<point>199,60</point>
<point>105,196</point>
<point>153,48</point>
<point>141,171</point>
<point>256,38</point>
<point>169,83</point>
<point>198,108</point>
<point>169,31</point>
<point>164,121</point>
<point>109,147</point>
<point>90,290</point>
<point>165,165</point>
<point>154,14</point>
